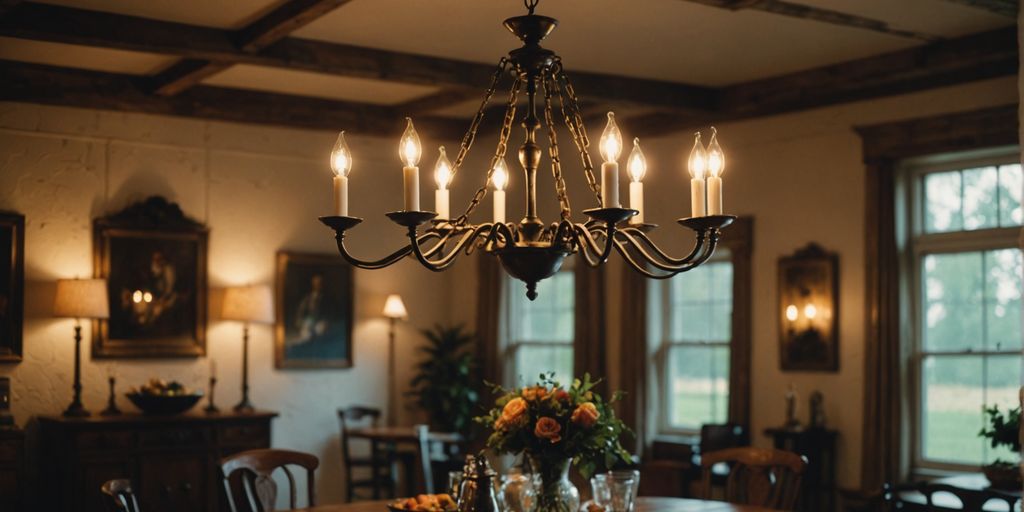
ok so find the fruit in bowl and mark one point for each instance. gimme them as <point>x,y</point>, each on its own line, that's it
<point>161,397</point>
<point>425,503</point>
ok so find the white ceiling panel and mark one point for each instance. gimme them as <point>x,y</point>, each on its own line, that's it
<point>82,57</point>
<point>318,85</point>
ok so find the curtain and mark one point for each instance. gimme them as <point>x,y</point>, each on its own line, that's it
<point>739,239</point>
<point>490,286</point>
<point>882,446</point>
<point>633,358</point>
<point>589,329</point>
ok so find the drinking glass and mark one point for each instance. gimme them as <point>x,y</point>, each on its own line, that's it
<point>636,476</point>
<point>454,482</point>
<point>622,489</point>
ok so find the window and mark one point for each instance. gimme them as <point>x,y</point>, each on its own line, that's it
<point>696,333</point>
<point>964,223</point>
<point>539,333</point>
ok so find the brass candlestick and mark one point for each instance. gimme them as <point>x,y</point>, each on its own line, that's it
<point>210,407</point>
<point>111,409</point>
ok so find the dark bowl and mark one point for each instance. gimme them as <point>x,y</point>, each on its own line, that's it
<point>164,405</point>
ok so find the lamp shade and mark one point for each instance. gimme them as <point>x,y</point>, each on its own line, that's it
<point>394,307</point>
<point>251,304</point>
<point>81,298</point>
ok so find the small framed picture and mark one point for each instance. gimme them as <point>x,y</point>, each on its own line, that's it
<point>154,260</point>
<point>314,311</point>
<point>12,285</point>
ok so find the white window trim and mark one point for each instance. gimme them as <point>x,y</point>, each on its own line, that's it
<point>916,245</point>
<point>660,358</point>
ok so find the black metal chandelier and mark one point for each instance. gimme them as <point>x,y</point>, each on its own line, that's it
<point>530,250</point>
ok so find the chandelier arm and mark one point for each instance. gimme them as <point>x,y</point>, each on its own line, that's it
<point>640,240</point>
<point>474,125</point>
<point>506,132</point>
<point>707,251</point>
<point>386,261</point>
<point>601,253</point>
<point>445,261</point>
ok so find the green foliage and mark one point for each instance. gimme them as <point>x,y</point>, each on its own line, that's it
<point>1002,430</point>
<point>591,447</point>
<point>444,383</point>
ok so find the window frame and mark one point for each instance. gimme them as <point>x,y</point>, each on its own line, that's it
<point>510,347</point>
<point>663,353</point>
<point>918,244</point>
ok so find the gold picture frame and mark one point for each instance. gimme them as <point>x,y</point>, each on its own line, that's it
<point>314,312</point>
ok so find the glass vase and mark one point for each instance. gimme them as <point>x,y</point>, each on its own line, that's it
<point>555,493</point>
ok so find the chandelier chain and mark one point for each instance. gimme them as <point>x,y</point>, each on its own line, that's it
<point>474,125</point>
<point>556,164</point>
<point>574,121</point>
<point>506,132</point>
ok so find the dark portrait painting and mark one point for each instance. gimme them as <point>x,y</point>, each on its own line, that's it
<point>808,310</point>
<point>154,260</point>
<point>12,281</point>
<point>313,300</point>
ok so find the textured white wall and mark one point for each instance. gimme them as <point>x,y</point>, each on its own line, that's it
<point>259,190</point>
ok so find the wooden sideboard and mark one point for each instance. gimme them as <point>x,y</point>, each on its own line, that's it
<point>172,461</point>
<point>12,469</point>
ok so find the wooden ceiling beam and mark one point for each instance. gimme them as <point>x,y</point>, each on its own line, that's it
<point>955,61</point>
<point>267,30</point>
<point>48,85</point>
<point>807,12</point>
<point>1007,8</point>
<point>92,28</point>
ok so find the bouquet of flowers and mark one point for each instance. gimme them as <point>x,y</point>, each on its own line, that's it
<point>552,426</point>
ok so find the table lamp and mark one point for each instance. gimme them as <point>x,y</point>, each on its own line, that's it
<point>78,299</point>
<point>247,304</point>
<point>394,310</point>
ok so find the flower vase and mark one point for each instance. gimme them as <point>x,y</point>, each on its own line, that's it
<point>555,493</point>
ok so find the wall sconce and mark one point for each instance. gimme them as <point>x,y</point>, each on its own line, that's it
<point>809,310</point>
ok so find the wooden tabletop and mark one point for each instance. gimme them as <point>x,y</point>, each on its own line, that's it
<point>401,435</point>
<point>644,504</point>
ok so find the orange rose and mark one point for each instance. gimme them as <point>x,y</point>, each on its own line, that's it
<point>562,395</point>
<point>548,428</point>
<point>585,415</point>
<point>535,393</point>
<point>513,415</point>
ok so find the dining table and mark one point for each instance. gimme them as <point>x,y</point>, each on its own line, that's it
<point>643,504</point>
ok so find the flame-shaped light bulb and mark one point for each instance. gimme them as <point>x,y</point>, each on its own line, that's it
<point>499,178</point>
<point>341,157</point>
<point>698,162</point>
<point>409,148</point>
<point>443,171</point>
<point>637,165</point>
<point>715,158</point>
<point>611,140</point>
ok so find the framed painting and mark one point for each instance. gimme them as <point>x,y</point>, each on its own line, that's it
<point>154,260</point>
<point>809,310</point>
<point>12,285</point>
<point>314,311</point>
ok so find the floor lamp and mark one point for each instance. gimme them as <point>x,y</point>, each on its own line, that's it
<point>78,299</point>
<point>394,310</point>
<point>247,304</point>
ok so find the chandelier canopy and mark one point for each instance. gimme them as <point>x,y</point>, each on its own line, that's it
<point>531,250</point>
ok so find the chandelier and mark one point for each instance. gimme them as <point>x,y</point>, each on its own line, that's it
<point>531,250</point>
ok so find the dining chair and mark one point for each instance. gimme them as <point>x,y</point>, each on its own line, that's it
<point>760,477</point>
<point>249,483</point>
<point>380,464</point>
<point>122,498</point>
<point>971,500</point>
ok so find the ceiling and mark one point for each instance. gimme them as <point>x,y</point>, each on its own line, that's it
<point>671,40</point>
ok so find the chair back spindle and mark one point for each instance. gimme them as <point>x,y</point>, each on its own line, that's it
<point>760,477</point>
<point>122,498</point>
<point>253,471</point>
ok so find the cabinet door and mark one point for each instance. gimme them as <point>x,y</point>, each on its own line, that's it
<point>172,482</point>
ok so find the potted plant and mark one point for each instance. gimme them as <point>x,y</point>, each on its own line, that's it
<point>1003,430</point>
<point>554,427</point>
<point>444,385</point>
